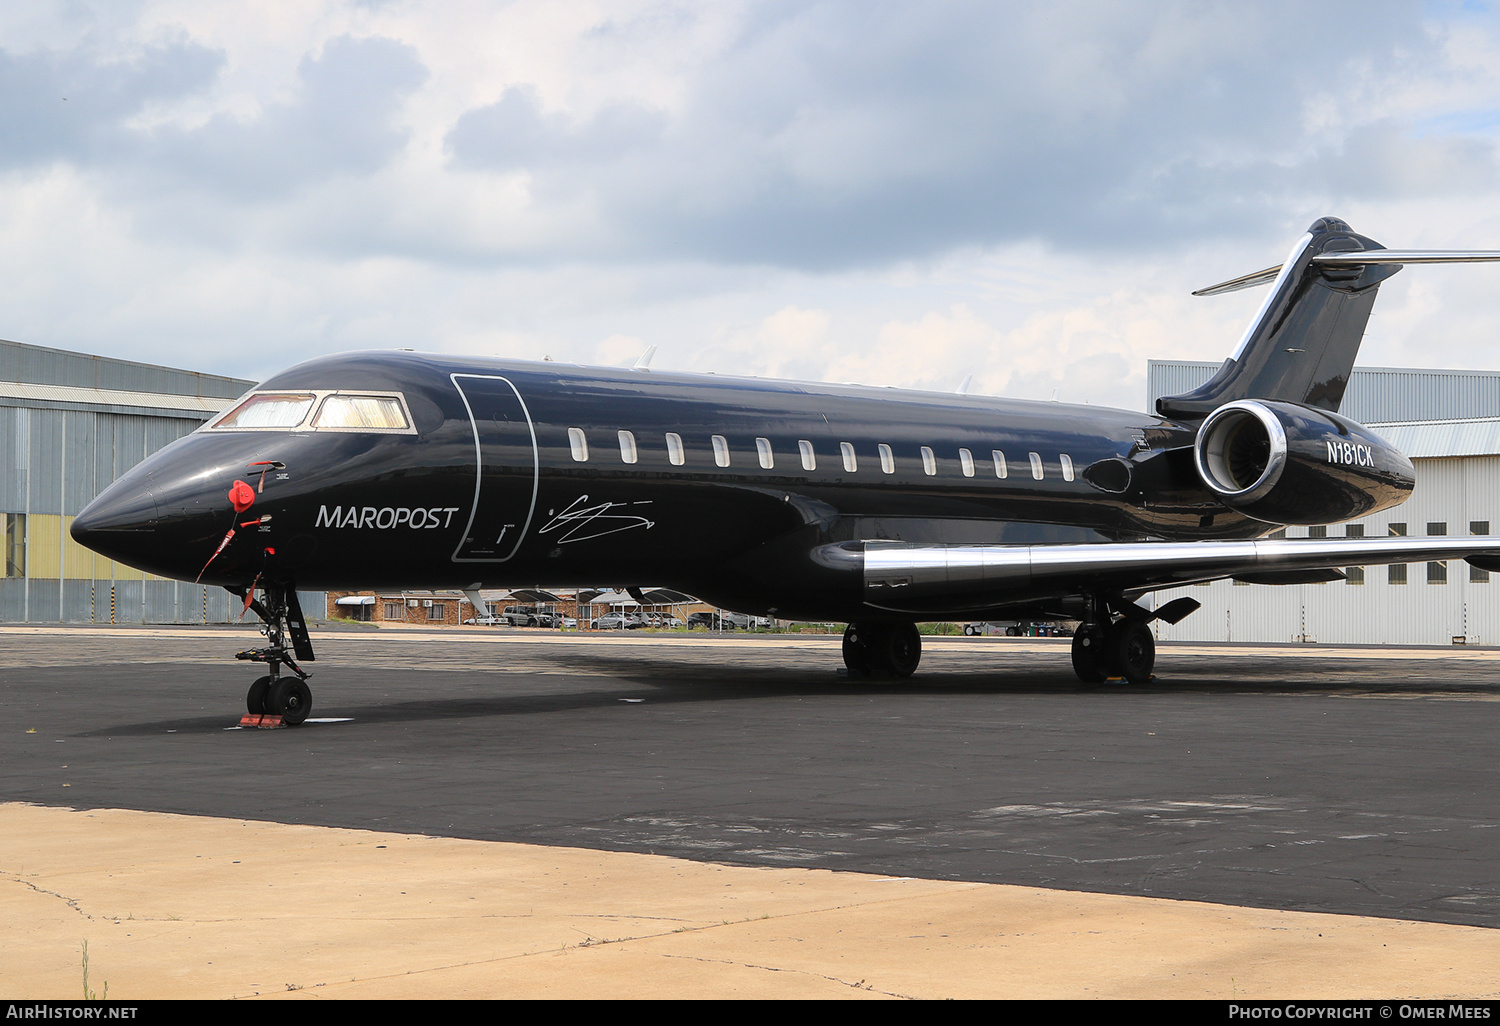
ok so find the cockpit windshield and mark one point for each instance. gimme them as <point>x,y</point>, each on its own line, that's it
<point>378,412</point>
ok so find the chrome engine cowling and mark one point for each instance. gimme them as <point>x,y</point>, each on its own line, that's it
<point>1290,464</point>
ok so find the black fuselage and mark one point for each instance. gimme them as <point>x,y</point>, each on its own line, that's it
<point>487,489</point>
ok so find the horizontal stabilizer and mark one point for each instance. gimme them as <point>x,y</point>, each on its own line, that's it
<point>1244,281</point>
<point>1359,258</point>
<point>1363,258</point>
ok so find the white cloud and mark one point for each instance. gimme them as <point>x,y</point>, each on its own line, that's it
<point>852,191</point>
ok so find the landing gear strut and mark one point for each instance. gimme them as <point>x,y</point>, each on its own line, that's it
<point>882,649</point>
<point>281,621</point>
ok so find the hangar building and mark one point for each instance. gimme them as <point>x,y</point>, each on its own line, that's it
<point>69,425</point>
<point>1448,423</point>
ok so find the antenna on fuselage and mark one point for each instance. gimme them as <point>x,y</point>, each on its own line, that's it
<point>644,363</point>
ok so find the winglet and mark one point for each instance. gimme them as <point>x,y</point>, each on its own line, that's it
<point>644,363</point>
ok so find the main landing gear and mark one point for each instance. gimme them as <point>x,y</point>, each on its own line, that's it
<point>882,649</point>
<point>281,620</point>
<point>1115,639</point>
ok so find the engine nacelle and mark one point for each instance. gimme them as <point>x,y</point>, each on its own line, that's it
<point>1290,464</point>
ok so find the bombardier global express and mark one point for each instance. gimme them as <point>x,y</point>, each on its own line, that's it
<point>877,507</point>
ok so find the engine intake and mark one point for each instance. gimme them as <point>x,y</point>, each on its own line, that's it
<point>1284,463</point>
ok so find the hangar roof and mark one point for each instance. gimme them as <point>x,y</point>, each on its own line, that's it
<point>39,365</point>
<point>36,376</point>
<point>1438,438</point>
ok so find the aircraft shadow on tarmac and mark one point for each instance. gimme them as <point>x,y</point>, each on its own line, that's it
<point>675,682</point>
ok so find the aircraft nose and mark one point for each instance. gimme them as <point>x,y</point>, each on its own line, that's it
<point>121,522</point>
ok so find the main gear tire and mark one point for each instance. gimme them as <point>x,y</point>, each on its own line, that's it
<point>1131,650</point>
<point>857,654</point>
<point>896,649</point>
<point>1088,655</point>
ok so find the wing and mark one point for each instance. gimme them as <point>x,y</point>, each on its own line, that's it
<point>916,578</point>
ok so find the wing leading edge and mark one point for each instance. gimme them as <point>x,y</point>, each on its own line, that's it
<point>899,576</point>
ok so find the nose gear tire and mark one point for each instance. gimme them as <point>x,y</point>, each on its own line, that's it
<point>291,699</point>
<point>256,697</point>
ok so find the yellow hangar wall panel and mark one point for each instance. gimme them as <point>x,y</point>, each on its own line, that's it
<point>1410,604</point>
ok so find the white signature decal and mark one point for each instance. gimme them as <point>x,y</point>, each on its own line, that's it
<point>580,521</point>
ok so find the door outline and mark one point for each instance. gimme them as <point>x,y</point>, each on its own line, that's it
<point>479,469</point>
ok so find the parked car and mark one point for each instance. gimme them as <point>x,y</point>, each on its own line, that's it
<point>710,622</point>
<point>665,621</point>
<point>615,622</point>
<point>1022,629</point>
<point>527,616</point>
<point>486,621</point>
<point>567,622</point>
<point>727,621</point>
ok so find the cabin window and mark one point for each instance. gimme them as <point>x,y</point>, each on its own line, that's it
<point>1001,470</point>
<point>809,461</point>
<point>966,462</point>
<point>627,447</point>
<point>1067,466</point>
<point>578,444</point>
<point>850,463</point>
<point>763,450</point>
<point>1036,464</point>
<point>269,410</point>
<point>1476,575</point>
<point>361,413</point>
<point>929,462</point>
<point>675,454</point>
<point>887,459</point>
<point>721,450</point>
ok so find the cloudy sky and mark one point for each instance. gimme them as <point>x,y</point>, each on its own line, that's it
<point>892,193</point>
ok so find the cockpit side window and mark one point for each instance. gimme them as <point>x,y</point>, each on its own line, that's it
<point>269,410</point>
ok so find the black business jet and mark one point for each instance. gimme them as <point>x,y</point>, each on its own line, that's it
<point>878,507</point>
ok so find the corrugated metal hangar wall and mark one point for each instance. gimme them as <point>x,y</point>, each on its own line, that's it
<point>1448,422</point>
<point>69,425</point>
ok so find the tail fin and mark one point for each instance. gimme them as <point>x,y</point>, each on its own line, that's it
<point>1301,346</point>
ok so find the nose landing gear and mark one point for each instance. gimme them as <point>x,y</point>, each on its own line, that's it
<point>281,620</point>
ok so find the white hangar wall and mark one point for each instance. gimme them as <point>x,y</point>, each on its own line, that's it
<point>1449,423</point>
<point>1420,604</point>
